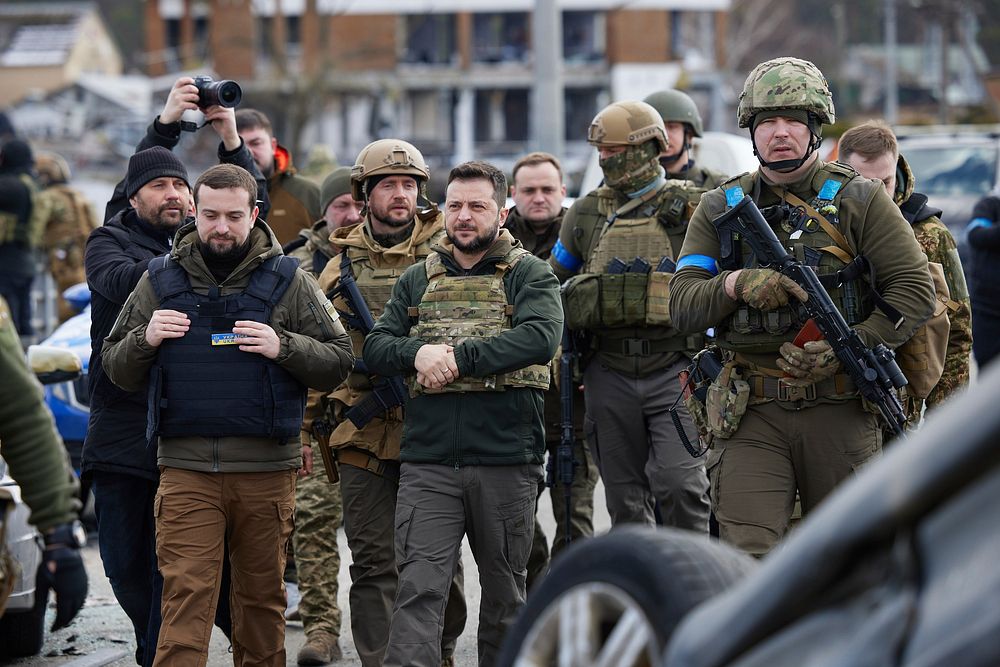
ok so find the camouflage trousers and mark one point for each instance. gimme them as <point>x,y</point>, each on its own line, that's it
<point>66,267</point>
<point>581,516</point>
<point>319,512</point>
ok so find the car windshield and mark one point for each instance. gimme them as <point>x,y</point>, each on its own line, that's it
<point>953,170</point>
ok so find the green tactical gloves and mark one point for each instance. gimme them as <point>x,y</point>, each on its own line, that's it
<point>808,364</point>
<point>766,289</point>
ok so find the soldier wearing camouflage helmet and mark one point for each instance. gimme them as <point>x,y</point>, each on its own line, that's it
<point>70,220</point>
<point>637,219</point>
<point>683,123</point>
<point>872,149</point>
<point>390,178</point>
<point>782,418</point>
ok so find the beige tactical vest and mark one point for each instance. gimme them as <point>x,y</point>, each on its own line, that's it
<point>457,308</point>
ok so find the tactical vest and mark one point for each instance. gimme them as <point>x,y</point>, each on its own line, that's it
<point>202,384</point>
<point>375,284</point>
<point>604,297</point>
<point>456,308</point>
<point>754,331</point>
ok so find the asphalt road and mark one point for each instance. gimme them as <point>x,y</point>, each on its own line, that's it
<point>102,634</point>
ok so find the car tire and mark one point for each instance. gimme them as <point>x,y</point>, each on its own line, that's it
<point>620,594</point>
<point>23,634</point>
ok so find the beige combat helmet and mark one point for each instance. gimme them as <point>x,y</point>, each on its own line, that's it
<point>387,157</point>
<point>785,83</point>
<point>51,168</point>
<point>629,123</point>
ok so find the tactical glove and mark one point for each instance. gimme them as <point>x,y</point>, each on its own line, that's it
<point>62,570</point>
<point>766,289</point>
<point>809,364</point>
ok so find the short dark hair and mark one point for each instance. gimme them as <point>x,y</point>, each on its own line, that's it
<point>536,158</point>
<point>226,176</point>
<point>251,119</point>
<point>479,170</point>
<point>869,140</point>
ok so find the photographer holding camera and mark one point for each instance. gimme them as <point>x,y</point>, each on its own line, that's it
<point>149,205</point>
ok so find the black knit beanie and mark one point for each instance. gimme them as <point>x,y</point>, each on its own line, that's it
<point>155,162</point>
<point>16,156</point>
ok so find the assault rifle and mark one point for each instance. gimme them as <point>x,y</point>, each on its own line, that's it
<point>387,392</point>
<point>563,469</point>
<point>874,370</point>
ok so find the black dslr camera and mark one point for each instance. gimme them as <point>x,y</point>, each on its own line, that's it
<point>224,93</point>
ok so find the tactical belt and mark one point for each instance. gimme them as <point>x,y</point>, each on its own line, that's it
<point>359,458</point>
<point>644,347</point>
<point>762,386</point>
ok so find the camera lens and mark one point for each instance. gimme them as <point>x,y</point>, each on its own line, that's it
<point>229,93</point>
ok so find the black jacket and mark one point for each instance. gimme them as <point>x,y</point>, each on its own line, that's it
<point>984,252</point>
<point>116,257</point>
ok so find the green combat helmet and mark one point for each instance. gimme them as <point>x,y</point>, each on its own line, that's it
<point>785,83</point>
<point>675,106</point>
<point>788,87</point>
<point>639,128</point>
<point>387,157</point>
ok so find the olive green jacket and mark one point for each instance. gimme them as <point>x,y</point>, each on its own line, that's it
<point>315,350</point>
<point>28,439</point>
<point>477,427</point>
<point>872,224</point>
<point>538,245</point>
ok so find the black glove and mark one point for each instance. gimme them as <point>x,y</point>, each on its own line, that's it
<point>62,570</point>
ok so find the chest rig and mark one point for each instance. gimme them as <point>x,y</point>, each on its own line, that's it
<point>458,308</point>
<point>202,384</point>
<point>811,233</point>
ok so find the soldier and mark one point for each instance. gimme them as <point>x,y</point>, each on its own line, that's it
<point>71,219</point>
<point>390,177</point>
<point>22,222</point>
<point>294,199</point>
<point>39,464</point>
<point>805,428</point>
<point>682,122</point>
<point>319,510</point>
<point>480,314</point>
<point>227,313</point>
<point>538,192</point>
<point>871,148</point>
<point>637,219</point>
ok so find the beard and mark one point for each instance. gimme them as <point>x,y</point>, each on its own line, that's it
<point>230,252</point>
<point>480,242</point>
<point>167,216</point>
<point>392,218</point>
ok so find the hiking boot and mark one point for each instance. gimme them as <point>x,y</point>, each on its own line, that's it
<point>321,648</point>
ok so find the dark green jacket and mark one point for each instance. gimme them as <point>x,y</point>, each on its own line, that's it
<point>482,427</point>
<point>315,350</point>
<point>28,439</point>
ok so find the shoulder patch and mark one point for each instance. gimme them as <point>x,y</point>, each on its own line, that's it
<point>327,305</point>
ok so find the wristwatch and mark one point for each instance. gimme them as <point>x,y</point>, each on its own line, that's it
<point>70,534</point>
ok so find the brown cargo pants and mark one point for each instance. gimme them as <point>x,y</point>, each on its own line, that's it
<point>195,512</point>
<point>780,450</point>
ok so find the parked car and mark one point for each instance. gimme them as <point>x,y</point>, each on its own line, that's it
<point>896,568</point>
<point>954,166</point>
<point>22,626</point>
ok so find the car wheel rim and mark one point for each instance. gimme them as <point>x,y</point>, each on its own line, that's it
<point>591,625</point>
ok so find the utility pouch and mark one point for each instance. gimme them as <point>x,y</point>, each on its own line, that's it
<point>657,297</point>
<point>633,297</point>
<point>611,304</point>
<point>726,402</point>
<point>695,381</point>
<point>582,301</point>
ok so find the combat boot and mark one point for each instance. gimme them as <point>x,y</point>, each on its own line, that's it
<point>321,648</point>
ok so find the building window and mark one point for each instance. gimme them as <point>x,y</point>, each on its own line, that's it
<point>581,105</point>
<point>502,116</point>
<point>265,49</point>
<point>583,37</point>
<point>430,39</point>
<point>201,37</point>
<point>501,37</point>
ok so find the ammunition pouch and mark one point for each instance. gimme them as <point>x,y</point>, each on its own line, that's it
<point>922,357</point>
<point>726,402</point>
<point>593,301</point>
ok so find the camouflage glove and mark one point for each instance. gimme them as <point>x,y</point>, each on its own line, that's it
<point>808,364</point>
<point>766,289</point>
